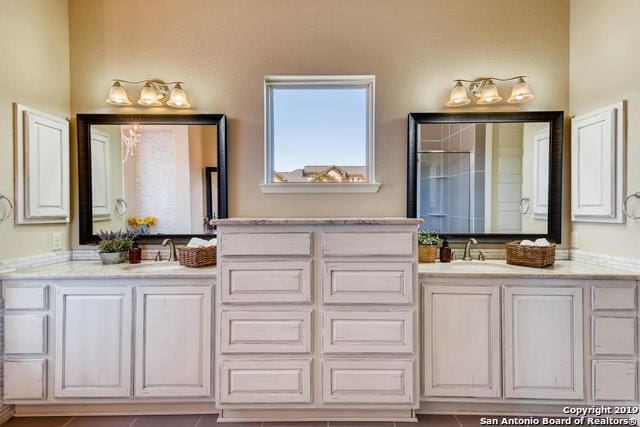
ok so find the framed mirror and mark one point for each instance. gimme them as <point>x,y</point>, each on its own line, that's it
<point>497,176</point>
<point>164,176</point>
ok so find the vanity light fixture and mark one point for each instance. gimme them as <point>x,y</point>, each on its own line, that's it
<point>486,91</point>
<point>153,93</point>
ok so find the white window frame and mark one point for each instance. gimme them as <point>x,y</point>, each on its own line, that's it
<point>271,82</point>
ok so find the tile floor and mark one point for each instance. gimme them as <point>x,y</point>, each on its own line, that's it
<point>209,420</point>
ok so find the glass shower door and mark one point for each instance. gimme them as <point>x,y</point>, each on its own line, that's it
<point>444,198</point>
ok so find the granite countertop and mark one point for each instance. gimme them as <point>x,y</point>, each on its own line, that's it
<point>96,270</point>
<point>500,268</point>
<point>320,221</point>
<point>172,270</point>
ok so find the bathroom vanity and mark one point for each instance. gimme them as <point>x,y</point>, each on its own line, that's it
<point>520,340</point>
<point>319,319</point>
<point>119,337</point>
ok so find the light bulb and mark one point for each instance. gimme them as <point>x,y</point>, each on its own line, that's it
<point>489,93</point>
<point>520,92</point>
<point>148,96</point>
<point>178,98</point>
<point>117,95</point>
<point>458,96</point>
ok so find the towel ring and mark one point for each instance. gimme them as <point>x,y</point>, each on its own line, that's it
<point>624,205</point>
<point>121,207</point>
<point>10,211</point>
<point>524,205</point>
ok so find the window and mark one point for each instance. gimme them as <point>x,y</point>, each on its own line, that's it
<point>319,134</point>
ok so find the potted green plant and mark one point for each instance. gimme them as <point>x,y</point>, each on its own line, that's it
<point>114,246</point>
<point>428,243</point>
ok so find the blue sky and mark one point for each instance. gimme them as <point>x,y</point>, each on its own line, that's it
<point>319,127</point>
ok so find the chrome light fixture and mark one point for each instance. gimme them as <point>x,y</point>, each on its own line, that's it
<point>153,94</point>
<point>486,91</point>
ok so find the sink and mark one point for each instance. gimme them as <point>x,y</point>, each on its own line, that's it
<point>151,267</point>
<point>476,264</point>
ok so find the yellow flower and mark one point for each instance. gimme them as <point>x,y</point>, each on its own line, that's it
<point>132,220</point>
<point>150,221</point>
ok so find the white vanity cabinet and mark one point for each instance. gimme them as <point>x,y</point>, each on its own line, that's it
<point>462,341</point>
<point>26,324</point>
<point>173,341</point>
<point>614,343</point>
<point>543,342</point>
<point>518,342</point>
<point>482,337</point>
<point>318,319</point>
<point>109,341</point>
<point>93,341</point>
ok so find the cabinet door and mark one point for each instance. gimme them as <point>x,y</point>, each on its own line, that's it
<point>543,342</point>
<point>93,342</point>
<point>173,341</point>
<point>462,341</point>
<point>47,161</point>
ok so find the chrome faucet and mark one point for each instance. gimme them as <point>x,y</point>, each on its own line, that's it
<point>172,249</point>
<point>467,249</point>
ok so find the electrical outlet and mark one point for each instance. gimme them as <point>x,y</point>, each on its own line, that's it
<point>56,241</point>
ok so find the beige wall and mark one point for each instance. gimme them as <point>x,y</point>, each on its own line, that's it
<point>222,49</point>
<point>605,67</point>
<point>34,59</point>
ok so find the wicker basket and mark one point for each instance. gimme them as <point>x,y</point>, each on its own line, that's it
<point>531,256</point>
<point>427,253</point>
<point>197,257</point>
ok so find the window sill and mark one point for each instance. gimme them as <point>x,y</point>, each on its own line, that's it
<point>317,187</point>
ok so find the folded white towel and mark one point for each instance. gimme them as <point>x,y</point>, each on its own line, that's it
<point>527,243</point>
<point>541,242</point>
<point>197,242</point>
<point>211,242</point>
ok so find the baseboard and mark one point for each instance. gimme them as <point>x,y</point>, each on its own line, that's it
<point>308,415</point>
<point>498,408</point>
<point>101,409</point>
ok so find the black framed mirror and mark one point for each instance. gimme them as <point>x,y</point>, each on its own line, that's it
<point>163,175</point>
<point>496,176</point>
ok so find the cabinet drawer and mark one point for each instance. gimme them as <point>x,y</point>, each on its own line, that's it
<point>266,282</point>
<point>25,296</point>
<point>24,379</point>
<point>613,298</point>
<point>614,380</point>
<point>367,282</point>
<point>367,381</point>
<point>265,381</point>
<point>25,334</point>
<point>613,335</point>
<point>264,331</point>
<point>389,243</point>
<point>367,331</point>
<point>265,243</point>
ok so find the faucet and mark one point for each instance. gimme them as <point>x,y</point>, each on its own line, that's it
<point>467,249</point>
<point>172,249</point>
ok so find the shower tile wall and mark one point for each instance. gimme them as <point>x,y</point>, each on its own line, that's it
<point>451,175</point>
